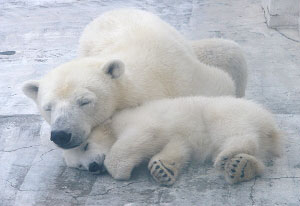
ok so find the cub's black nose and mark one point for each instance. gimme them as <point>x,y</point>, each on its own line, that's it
<point>61,138</point>
<point>95,167</point>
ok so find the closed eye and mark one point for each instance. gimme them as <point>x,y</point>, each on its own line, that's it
<point>83,102</point>
<point>47,108</point>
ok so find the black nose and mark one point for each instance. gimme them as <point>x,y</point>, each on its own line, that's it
<point>94,167</point>
<point>61,138</point>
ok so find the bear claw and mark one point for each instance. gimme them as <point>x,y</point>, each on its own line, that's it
<point>162,173</point>
<point>240,168</point>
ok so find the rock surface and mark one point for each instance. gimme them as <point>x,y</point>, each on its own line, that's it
<point>36,36</point>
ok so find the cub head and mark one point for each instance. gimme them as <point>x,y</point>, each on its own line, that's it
<point>75,97</point>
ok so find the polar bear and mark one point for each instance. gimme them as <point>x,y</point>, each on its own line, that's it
<point>226,55</point>
<point>236,134</point>
<point>129,57</point>
<point>100,37</point>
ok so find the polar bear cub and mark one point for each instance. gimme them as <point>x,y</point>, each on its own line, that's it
<point>236,134</point>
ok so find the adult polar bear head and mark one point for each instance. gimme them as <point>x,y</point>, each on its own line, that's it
<point>75,97</point>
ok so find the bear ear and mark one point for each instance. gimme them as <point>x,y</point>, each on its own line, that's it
<point>114,68</point>
<point>31,88</point>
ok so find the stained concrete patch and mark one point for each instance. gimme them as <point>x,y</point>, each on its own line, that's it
<point>45,34</point>
<point>7,53</point>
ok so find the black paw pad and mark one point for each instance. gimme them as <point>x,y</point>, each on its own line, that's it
<point>169,170</point>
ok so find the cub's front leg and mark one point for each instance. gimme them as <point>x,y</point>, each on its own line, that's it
<point>129,151</point>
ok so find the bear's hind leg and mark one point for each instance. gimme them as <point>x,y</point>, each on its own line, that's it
<point>237,159</point>
<point>166,165</point>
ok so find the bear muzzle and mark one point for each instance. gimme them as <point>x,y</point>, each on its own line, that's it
<point>61,138</point>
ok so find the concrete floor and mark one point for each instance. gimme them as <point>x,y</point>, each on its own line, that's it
<point>37,35</point>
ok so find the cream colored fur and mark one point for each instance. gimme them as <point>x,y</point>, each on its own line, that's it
<point>106,33</point>
<point>157,60</point>
<point>234,133</point>
<point>128,57</point>
<point>226,55</point>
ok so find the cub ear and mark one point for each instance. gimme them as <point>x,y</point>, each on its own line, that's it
<point>31,88</point>
<point>114,68</point>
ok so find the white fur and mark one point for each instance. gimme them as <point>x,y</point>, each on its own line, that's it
<point>94,150</point>
<point>226,55</point>
<point>106,33</point>
<point>235,133</point>
<point>153,61</point>
<point>149,60</point>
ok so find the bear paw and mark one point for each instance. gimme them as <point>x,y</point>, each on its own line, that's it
<point>163,172</point>
<point>221,161</point>
<point>242,167</point>
<point>223,158</point>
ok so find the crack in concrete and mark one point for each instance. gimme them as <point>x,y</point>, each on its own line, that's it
<point>20,190</point>
<point>265,16</point>
<point>270,12</point>
<point>20,115</point>
<point>282,34</point>
<point>13,150</point>
<point>23,166</point>
<point>43,154</point>
<point>251,193</point>
<point>75,197</point>
<point>278,178</point>
<point>110,189</point>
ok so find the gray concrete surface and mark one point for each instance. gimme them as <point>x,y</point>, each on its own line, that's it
<point>284,16</point>
<point>37,35</point>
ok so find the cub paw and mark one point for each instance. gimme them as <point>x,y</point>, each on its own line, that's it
<point>223,158</point>
<point>242,167</point>
<point>221,162</point>
<point>163,172</point>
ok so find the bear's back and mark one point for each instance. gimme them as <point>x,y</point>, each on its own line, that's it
<point>126,29</point>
